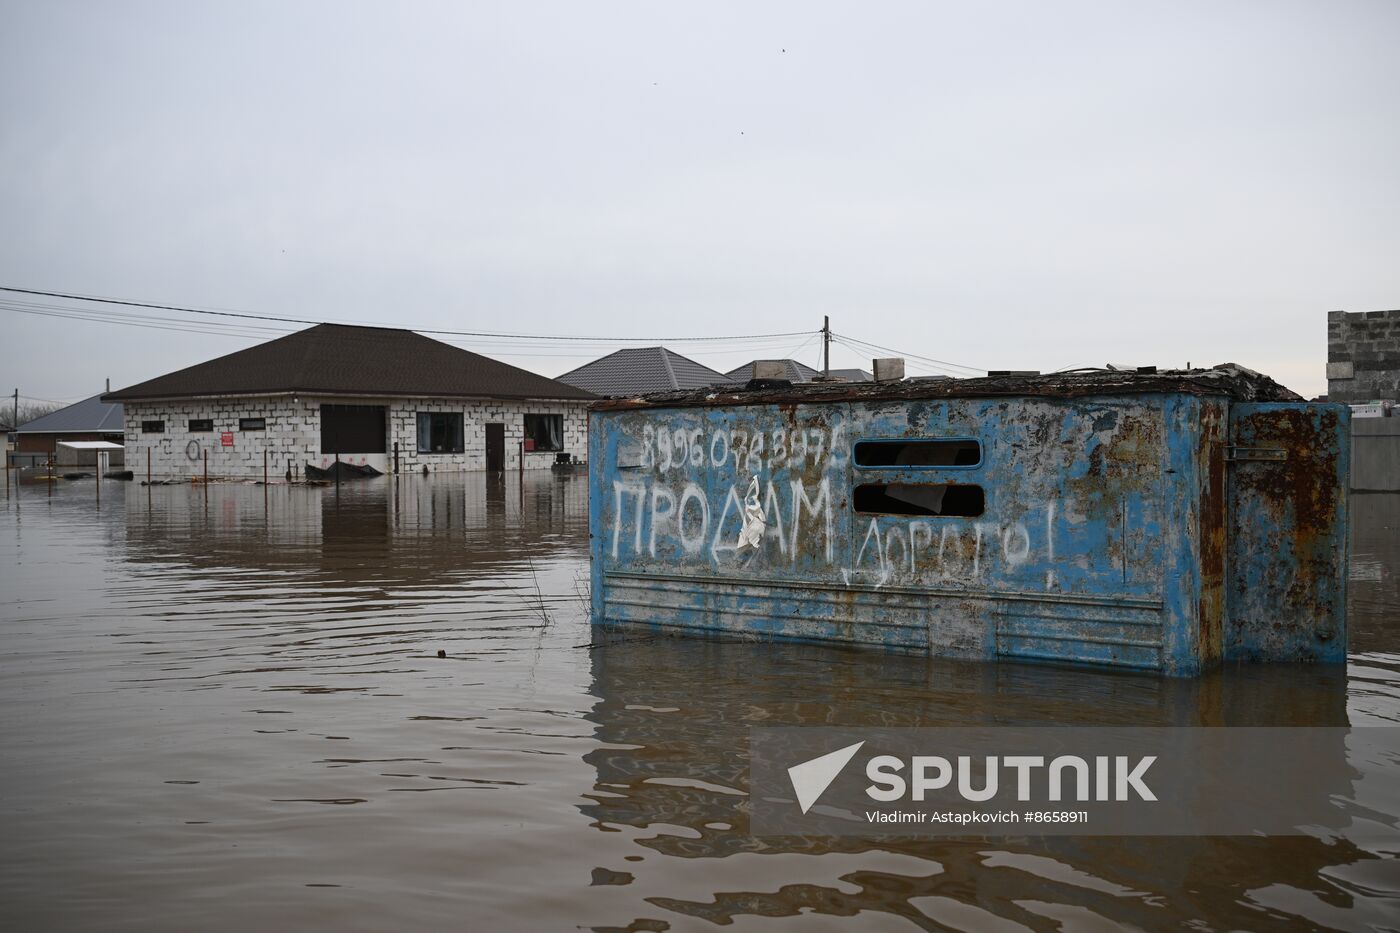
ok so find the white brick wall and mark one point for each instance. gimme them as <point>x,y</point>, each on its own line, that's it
<point>293,435</point>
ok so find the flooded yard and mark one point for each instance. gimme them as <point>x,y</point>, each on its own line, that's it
<point>226,708</point>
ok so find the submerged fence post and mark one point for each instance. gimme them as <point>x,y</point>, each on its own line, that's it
<point>396,458</point>
<point>148,466</point>
<point>337,472</point>
<point>206,468</point>
<point>264,466</point>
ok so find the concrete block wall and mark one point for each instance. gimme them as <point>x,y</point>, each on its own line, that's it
<point>1363,355</point>
<point>291,438</point>
<point>293,435</point>
<point>403,427</point>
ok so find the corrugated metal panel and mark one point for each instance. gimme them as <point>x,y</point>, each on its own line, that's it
<point>1288,480</point>
<point>1101,537</point>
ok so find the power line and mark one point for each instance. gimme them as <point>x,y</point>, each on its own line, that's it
<point>914,366</point>
<point>422,330</point>
<point>506,348</point>
<point>736,343</point>
<point>907,355</point>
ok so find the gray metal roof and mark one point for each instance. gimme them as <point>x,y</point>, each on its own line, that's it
<point>852,375</point>
<point>91,415</point>
<point>796,372</point>
<point>639,370</point>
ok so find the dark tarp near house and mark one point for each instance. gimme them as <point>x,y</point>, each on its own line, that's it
<point>640,370</point>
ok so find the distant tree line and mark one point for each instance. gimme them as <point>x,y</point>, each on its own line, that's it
<point>28,411</point>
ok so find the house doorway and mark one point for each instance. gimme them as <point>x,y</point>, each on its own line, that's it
<point>495,446</point>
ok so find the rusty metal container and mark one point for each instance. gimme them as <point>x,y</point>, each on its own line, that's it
<point>1158,521</point>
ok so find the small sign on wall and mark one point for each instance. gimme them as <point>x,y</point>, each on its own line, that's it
<point>226,439</point>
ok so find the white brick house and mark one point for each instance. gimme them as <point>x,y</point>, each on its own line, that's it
<point>377,396</point>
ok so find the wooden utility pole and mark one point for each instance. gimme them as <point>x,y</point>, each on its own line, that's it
<point>826,346</point>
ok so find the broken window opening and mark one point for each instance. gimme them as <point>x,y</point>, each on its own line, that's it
<point>945,499</point>
<point>919,452</point>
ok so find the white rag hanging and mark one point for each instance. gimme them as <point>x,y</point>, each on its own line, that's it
<point>751,535</point>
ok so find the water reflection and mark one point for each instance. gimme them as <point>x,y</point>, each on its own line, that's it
<point>393,530</point>
<point>675,755</point>
<point>226,709</point>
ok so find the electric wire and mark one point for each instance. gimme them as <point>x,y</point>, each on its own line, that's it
<point>907,355</point>
<point>422,330</point>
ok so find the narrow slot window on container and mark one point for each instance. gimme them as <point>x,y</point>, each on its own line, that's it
<point>252,424</point>
<point>959,500</point>
<point>918,452</point>
<point>201,425</point>
<point>153,427</point>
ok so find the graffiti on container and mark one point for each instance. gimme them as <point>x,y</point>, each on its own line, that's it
<point>671,507</point>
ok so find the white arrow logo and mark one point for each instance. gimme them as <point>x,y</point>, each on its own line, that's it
<point>811,778</point>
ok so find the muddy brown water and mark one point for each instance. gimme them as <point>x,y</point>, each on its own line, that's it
<point>223,709</point>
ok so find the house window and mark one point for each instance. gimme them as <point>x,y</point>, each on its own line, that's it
<point>201,425</point>
<point>544,432</point>
<point>440,432</point>
<point>956,499</point>
<point>153,427</point>
<point>354,429</point>
<point>252,424</point>
<point>918,452</point>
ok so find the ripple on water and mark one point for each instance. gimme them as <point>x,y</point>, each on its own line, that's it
<point>225,708</point>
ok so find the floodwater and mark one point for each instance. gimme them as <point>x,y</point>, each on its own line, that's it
<point>224,709</point>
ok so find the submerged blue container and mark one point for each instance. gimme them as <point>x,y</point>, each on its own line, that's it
<point>1157,521</point>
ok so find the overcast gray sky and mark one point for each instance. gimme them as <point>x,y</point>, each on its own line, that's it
<point>1000,185</point>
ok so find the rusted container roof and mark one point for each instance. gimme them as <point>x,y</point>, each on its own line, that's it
<point>341,359</point>
<point>1227,379</point>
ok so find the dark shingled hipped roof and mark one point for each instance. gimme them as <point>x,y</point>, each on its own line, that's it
<point>340,359</point>
<point>90,416</point>
<point>640,370</point>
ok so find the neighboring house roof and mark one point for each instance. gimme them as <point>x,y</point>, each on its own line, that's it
<point>90,416</point>
<point>640,370</point>
<point>852,375</point>
<point>796,372</point>
<point>341,359</point>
